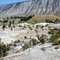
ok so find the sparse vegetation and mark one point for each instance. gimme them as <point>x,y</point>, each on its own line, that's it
<point>9,23</point>
<point>43,18</point>
<point>17,41</point>
<point>33,42</point>
<point>26,18</point>
<point>34,37</point>
<point>55,38</point>
<point>56,21</point>
<point>26,46</point>
<point>48,21</point>
<point>3,49</point>
<point>3,26</point>
<point>42,38</point>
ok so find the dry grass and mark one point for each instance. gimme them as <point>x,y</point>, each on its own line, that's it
<point>42,18</point>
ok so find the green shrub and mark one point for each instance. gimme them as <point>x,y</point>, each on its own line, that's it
<point>3,49</point>
<point>56,21</point>
<point>26,46</point>
<point>56,42</point>
<point>3,27</point>
<point>17,41</point>
<point>42,39</point>
<point>48,21</point>
<point>4,21</point>
<point>9,25</point>
<point>33,42</point>
<point>55,38</point>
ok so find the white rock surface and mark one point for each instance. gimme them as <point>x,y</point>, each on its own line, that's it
<point>35,53</point>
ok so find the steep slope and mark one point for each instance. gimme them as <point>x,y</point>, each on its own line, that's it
<point>34,7</point>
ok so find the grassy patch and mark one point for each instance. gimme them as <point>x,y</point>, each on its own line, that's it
<point>42,18</point>
<point>55,38</point>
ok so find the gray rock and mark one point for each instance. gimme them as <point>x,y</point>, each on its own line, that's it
<point>32,7</point>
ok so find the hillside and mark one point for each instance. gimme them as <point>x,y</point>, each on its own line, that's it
<point>31,7</point>
<point>42,18</point>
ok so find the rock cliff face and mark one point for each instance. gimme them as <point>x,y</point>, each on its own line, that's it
<point>37,7</point>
